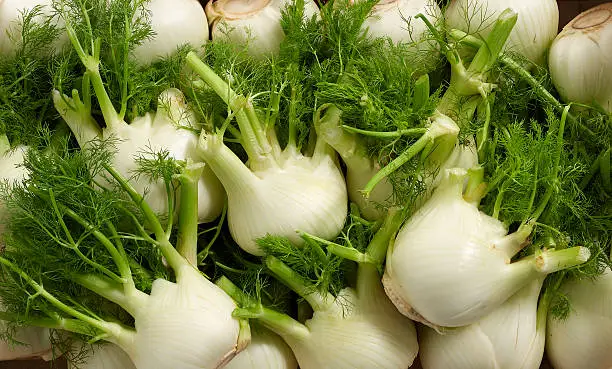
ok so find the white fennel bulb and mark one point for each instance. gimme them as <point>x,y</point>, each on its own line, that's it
<point>450,263</point>
<point>583,339</point>
<point>579,59</point>
<point>175,23</point>
<point>297,193</point>
<point>266,351</point>
<point>511,337</point>
<point>253,23</point>
<point>102,356</point>
<point>182,323</point>
<point>357,329</point>
<point>170,129</point>
<point>195,310</point>
<point>386,338</point>
<point>11,16</point>
<point>278,191</point>
<point>532,35</point>
<point>395,19</point>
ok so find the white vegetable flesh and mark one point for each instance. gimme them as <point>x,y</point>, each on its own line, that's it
<point>169,129</point>
<point>511,337</point>
<point>532,35</point>
<point>450,263</point>
<point>298,193</point>
<point>266,351</point>
<point>395,19</point>
<point>580,61</point>
<point>175,23</point>
<point>355,331</point>
<point>187,325</point>
<point>254,23</point>
<point>583,339</point>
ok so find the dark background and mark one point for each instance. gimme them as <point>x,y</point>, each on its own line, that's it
<point>568,9</point>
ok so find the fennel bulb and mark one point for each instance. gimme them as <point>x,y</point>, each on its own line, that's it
<point>359,328</point>
<point>450,263</point>
<point>299,193</point>
<point>579,59</point>
<point>254,24</point>
<point>170,130</point>
<point>278,191</point>
<point>535,28</point>
<point>187,325</point>
<point>582,340</point>
<point>394,19</point>
<point>175,23</point>
<point>182,323</point>
<point>266,351</point>
<point>103,356</point>
<point>511,337</point>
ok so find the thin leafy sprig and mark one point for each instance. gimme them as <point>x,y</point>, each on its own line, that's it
<point>71,245</point>
<point>26,75</point>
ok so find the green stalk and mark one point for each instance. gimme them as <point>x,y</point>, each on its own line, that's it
<point>551,188</point>
<point>204,253</point>
<point>279,323</point>
<point>92,64</point>
<point>107,327</point>
<point>392,134</point>
<point>394,165</point>
<point>70,325</point>
<point>368,274</point>
<point>468,82</point>
<point>170,201</point>
<point>421,92</point>
<point>187,243</point>
<point>548,261</point>
<point>487,55</point>
<point>226,165</point>
<point>292,141</point>
<point>253,136</point>
<point>174,258</point>
<point>344,252</point>
<point>441,127</point>
<point>112,291</point>
<point>118,258</point>
<point>377,249</point>
<point>300,286</point>
<point>124,84</point>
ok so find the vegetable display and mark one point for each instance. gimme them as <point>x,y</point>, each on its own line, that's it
<point>283,184</point>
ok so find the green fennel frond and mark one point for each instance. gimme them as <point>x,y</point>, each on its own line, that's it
<point>25,78</point>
